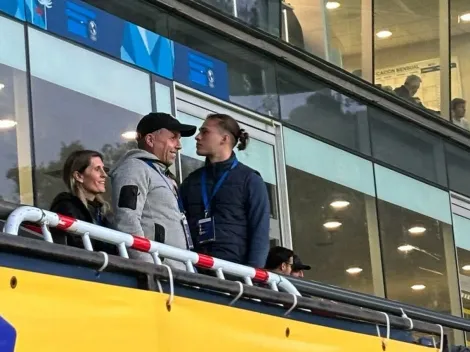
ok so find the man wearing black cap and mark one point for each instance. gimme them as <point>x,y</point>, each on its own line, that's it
<point>145,198</point>
<point>298,267</point>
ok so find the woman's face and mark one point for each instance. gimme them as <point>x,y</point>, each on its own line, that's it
<point>93,179</point>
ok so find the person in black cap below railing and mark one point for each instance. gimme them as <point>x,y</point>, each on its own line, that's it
<point>298,267</point>
<point>146,202</point>
<point>227,202</point>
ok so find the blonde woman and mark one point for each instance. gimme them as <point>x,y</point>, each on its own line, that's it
<point>85,176</point>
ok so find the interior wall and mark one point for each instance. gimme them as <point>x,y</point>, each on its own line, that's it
<point>460,48</point>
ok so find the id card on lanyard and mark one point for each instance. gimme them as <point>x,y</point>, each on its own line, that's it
<point>184,220</point>
<point>206,226</point>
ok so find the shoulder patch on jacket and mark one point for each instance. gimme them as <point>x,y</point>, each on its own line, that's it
<point>128,197</point>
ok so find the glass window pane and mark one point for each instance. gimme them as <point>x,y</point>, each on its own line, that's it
<point>143,14</point>
<point>415,228</point>
<point>333,213</point>
<point>163,98</point>
<point>87,100</point>
<point>406,64</point>
<point>252,81</point>
<point>458,168</point>
<point>314,107</point>
<point>330,30</point>
<point>15,158</point>
<point>462,244</point>
<point>407,147</point>
<point>264,14</point>
<point>460,60</point>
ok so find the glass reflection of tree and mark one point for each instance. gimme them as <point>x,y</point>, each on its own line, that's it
<point>48,177</point>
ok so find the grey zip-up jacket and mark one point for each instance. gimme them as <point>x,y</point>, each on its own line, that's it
<point>144,205</point>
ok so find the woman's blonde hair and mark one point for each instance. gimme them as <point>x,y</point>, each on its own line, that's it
<point>78,161</point>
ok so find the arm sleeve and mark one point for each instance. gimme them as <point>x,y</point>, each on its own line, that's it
<point>130,186</point>
<point>63,237</point>
<point>183,189</point>
<point>258,213</point>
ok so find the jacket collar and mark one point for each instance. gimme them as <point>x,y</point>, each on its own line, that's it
<point>221,165</point>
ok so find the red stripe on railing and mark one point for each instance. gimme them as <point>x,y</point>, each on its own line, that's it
<point>33,228</point>
<point>205,261</point>
<point>65,222</point>
<point>261,275</point>
<point>141,243</point>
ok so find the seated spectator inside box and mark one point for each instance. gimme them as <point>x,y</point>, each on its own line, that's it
<point>85,176</point>
<point>280,260</point>
<point>458,110</point>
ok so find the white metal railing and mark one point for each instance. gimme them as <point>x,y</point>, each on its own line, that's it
<point>124,241</point>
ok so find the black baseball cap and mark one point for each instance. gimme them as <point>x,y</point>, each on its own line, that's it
<point>298,265</point>
<point>158,120</point>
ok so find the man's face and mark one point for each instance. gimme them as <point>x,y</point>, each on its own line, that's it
<point>164,144</point>
<point>210,138</point>
<point>413,87</point>
<point>286,268</point>
<point>299,273</point>
<point>460,110</point>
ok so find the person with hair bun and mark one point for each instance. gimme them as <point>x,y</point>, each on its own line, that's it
<point>226,202</point>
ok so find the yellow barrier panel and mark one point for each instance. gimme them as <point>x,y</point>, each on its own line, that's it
<point>53,314</point>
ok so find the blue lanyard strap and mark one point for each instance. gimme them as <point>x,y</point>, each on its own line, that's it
<point>174,190</point>
<point>205,198</point>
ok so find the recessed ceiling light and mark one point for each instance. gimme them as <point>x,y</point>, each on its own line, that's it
<point>383,34</point>
<point>2,86</point>
<point>466,267</point>
<point>7,123</point>
<point>332,225</point>
<point>354,270</point>
<point>465,17</point>
<point>418,287</point>
<point>339,204</point>
<point>417,230</point>
<point>332,5</point>
<point>406,248</point>
<point>129,135</point>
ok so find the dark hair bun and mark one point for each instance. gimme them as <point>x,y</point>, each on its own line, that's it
<point>243,139</point>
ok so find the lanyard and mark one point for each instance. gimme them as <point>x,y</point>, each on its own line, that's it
<point>173,190</point>
<point>206,200</point>
<point>99,218</point>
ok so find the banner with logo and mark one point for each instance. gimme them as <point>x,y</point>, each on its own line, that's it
<point>14,8</point>
<point>104,32</point>
<point>201,72</point>
<point>101,31</point>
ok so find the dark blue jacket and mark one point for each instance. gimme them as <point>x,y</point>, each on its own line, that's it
<point>240,209</point>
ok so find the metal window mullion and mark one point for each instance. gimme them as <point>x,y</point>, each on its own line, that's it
<point>444,53</point>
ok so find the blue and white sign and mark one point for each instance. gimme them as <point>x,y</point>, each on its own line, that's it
<point>99,30</point>
<point>7,336</point>
<point>201,72</point>
<point>14,8</point>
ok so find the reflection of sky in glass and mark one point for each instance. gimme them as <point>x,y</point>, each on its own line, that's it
<point>8,143</point>
<point>88,73</point>
<point>64,116</point>
<point>12,60</point>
